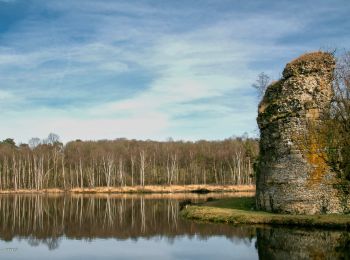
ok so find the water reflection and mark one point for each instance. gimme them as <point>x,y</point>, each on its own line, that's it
<point>286,243</point>
<point>46,219</point>
<point>150,224</point>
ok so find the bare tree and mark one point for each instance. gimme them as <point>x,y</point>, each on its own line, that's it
<point>261,84</point>
<point>34,142</point>
<point>142,168</point>
<point>339,124</point>
<point>52,139</point>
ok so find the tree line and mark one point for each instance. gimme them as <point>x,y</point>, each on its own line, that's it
<point>48,163</point>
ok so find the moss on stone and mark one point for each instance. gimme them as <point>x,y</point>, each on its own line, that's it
<point>295,172</point>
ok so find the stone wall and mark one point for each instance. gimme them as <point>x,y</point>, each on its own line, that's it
<point>293,175</point>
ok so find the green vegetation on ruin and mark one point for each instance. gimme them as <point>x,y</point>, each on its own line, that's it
<point>239,211</point>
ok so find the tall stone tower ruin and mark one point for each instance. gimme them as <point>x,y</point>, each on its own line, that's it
<point>293,174</point>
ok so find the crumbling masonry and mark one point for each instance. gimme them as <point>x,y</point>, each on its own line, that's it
<point>293,175</point>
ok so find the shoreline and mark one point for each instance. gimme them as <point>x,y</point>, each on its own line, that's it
<point>141,189</point>
<point>220,211</point>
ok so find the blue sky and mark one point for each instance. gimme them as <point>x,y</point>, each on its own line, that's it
<point>147,69</point>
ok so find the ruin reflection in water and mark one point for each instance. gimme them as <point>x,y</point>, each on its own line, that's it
<point>287,243</point>
<point>130,226</point>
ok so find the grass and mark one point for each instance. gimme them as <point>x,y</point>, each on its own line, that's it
<point>143,189</point>
<point>241,211</point>
<point>243,203</point>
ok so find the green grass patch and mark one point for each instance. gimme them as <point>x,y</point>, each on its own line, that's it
<point>243,203</point>
<point>241,211</point>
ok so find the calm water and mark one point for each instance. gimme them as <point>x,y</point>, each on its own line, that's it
<point>144,227</point>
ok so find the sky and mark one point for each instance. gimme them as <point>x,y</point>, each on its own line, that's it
<point>150,69</point>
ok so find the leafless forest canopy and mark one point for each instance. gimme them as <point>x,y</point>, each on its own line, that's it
<point>48,163</point>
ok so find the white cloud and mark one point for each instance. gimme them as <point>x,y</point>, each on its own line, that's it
<point>193,70</point>
<point>186,67</point>
<point>186,64</point>
<point>5,95</point>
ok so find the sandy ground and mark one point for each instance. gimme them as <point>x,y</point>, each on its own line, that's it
<point>144,189</point>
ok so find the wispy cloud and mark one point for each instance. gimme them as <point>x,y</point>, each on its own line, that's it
<point>106,69</point>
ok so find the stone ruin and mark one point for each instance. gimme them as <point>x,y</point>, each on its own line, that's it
<point>293,175</point>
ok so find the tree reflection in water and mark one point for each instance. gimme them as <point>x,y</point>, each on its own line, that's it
<point>44,219</point>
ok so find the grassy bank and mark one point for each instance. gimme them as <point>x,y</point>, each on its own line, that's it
<point>241,211</point>
<point>145,189</point>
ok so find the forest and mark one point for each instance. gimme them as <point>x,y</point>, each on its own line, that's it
<point>43,164</point>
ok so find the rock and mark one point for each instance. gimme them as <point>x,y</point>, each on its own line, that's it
<point>184,203</point>
<point>293,175</point>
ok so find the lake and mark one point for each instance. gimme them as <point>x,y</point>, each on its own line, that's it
<point>121,226</point>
